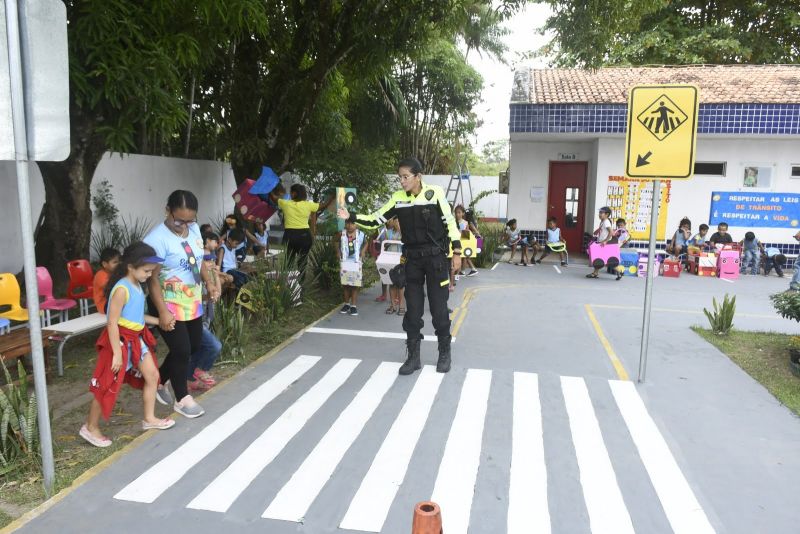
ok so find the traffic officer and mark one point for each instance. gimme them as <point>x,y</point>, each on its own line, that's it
<point>428,230</point>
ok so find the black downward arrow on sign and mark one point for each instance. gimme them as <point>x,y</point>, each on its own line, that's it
<point>642,160</point>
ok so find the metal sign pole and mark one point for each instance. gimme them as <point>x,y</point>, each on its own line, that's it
<point>28,254</point>
<point>648,288</point>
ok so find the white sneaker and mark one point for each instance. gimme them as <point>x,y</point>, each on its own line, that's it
<point>187,407</point>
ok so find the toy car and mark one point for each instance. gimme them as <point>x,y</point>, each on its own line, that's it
<point>603,255</point>
<point>391,251</point>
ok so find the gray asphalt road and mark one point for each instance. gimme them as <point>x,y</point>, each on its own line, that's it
<point>534,430</point>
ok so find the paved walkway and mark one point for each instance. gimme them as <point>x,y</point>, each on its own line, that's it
<point>536,428</point>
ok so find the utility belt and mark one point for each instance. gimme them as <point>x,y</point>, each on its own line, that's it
<point>422,252</point>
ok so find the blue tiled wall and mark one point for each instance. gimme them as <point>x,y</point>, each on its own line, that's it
<point>763,119</point>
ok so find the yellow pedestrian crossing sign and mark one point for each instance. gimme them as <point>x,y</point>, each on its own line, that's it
<point>662,131</point>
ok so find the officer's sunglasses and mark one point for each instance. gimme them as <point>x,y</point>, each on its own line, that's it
<point>404,177</point>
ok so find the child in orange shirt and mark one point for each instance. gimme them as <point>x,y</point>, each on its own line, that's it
<point>109,259</point>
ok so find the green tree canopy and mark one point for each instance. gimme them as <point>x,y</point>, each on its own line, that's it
<point>643,32</point>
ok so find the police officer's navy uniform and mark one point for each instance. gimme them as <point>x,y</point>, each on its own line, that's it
<point>428,228</point>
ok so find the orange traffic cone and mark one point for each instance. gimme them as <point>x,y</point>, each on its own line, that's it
<point>427,518</point>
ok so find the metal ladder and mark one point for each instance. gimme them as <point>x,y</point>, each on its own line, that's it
<point>455,189</point>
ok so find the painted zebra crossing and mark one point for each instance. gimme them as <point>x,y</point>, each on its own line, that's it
<point>456,483</point>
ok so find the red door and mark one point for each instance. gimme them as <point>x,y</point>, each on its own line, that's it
<point>566,199</point>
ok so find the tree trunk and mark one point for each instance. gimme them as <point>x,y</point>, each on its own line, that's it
<point>66,231</point>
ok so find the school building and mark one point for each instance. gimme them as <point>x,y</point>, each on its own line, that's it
<point>567,150</point>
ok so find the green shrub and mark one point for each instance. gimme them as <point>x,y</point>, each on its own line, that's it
<point>324,263</point>
<point>721,318</point>
<point>787,304</point>
<point>19,421</point>
<point>228,326</point>
<point>273,288</point>
<point>492,234</point>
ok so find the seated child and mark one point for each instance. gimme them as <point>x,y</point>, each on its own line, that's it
<point>352,248</point>
<point>210,248</point>
<point>554,242</point>
<point>621,235</point>
<point>232,223</point>
<point>680,239</point>
<point>700,239</point>
<point>259,238</point>
<point>721,236</point>
<point>514,240</point>
<point>227,259</point>
<point>109,260</point>
<point>751,255</point>
<point>772,258</point>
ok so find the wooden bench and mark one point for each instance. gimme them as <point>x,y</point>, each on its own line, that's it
<point>18,343</point>
<point>61,332</point>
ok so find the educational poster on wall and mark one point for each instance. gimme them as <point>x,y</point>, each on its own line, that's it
<point>632,200</point>
<point>763,210</point>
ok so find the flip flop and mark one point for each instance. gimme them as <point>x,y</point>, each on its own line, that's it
<point>94,440</point>
<point>401,311</point>
<point>162,424</point>
<point>591,275</point>
<point>389,310</point>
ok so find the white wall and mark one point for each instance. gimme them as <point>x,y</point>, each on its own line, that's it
<point>692,198</point>
<point>140,184</point>
<point>530,167</point>
<point>530,161</point>
<point>492,206</point>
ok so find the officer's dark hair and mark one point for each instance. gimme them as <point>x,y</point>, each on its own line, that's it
<point>180,198</point>
<point>749,236</point>
<point>411,163</point>
<point>298,192</point>
<point>510,222</point>
<point>779,259</point>
<point>703,227</point>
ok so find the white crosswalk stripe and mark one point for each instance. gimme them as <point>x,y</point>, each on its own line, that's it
<point>371,503</point>
<point>527,494</point>
<point>220,494</point>
<point>455,484</point>
<point>365,502</point>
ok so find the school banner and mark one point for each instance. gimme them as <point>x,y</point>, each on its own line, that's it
<point>632,200</point>
<point>763,210</point>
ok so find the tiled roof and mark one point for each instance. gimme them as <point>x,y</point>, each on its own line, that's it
<point>720,84</point>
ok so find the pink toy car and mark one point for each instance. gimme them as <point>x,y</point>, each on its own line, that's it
<point>606,255</point>
<point>250,206</point>
<point>728,264</point>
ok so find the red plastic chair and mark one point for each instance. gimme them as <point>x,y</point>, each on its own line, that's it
<point>79,288</point>
<point>50,303</point>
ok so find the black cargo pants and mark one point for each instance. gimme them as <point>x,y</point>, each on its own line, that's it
<point>427,269</point>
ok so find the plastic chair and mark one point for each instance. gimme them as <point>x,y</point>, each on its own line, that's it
<point>81,279</point>
<point>5,326</point>
<point>50,303</point>
<point>9,296</point>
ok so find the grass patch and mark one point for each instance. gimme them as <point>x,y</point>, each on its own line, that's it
<point>22,488</point>
<point>765,357</point>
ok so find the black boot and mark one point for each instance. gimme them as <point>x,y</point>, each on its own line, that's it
<point>443,365</point>
<point>412,362</point>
